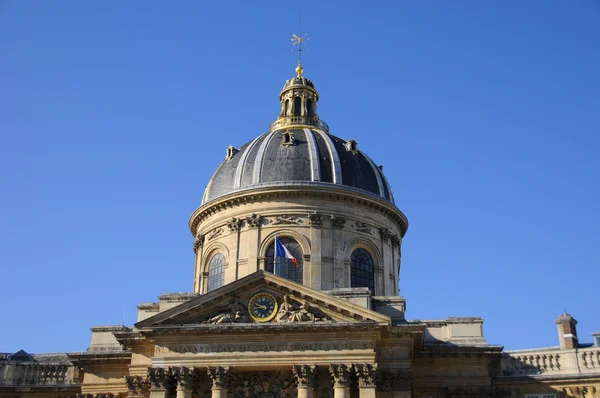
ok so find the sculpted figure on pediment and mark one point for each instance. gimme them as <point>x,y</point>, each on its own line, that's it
<point>292,311</point>
<point>234,312</point>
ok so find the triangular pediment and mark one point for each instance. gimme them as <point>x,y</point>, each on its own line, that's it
<point>264,298</point>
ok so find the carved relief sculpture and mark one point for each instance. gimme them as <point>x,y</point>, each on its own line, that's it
<point>219,376</point>
<point>137,386</point>
<point>198,242</point>
<point>385,234</point>
<point>253,221</point>
<point>315,219</point>
<point>363,227</point>
<point>214,233</point>
<point>341,375</point>
<point>292,311</point>
<point>234,312</point>
<point>287,220</point>
<point>306,375</point>
<point>366,374</point>
<point>338,221</point>
<point>255,384</point>
<point>234,224</point>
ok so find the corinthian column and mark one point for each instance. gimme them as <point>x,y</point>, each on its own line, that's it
<point>306,378</point>
<point>159,382</point>
<point>185,380</point>
<point>219,376</point>
<point>366,379</point>
<point>341,380</point>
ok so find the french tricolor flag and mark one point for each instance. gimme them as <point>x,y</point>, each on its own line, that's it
<point>282,251</point>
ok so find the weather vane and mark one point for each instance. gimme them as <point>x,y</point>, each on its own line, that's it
<point>297,41</point>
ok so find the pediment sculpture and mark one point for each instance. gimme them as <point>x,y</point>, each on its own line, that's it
<point>289,310</point>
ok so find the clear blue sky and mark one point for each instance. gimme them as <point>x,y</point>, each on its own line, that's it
<point>114,115</point>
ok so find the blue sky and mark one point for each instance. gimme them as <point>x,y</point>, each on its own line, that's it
<point>114,115</point>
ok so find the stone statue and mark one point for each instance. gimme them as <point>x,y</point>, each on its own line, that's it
<point>292,311</point>
<point>234,312</point>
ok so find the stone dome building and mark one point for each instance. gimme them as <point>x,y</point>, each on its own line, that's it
<point>328,324</point>
<point>326,199</point>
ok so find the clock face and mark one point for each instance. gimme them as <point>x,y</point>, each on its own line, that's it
<point>262,307</point>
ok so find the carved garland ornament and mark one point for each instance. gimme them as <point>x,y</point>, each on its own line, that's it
<point>214,233</point>
<point>287,220</point>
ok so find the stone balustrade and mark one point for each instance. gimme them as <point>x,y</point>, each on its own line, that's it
<point>551,361</point>
<point>589,358</point>
<point>25,374</point>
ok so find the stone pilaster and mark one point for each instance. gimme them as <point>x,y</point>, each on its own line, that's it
<point>341,375</point>
<point>306,380</point>
<point>220,381</point>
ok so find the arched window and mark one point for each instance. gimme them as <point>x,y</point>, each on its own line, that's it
<point>297,106</point>
<point>362,270</point>
<point>216,272</point>
<point>309,107</point>
<point>284,267</point>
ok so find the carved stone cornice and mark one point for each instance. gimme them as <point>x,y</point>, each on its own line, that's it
<point>365,374</point>
<point>198,242</point>
<point>160,378</point>
<point>338,221</point>
<point>306,375</point>
<point>261,194</point>
<point>234,224</point>
<point>253,221</point>
<point>137,386</point>
<point>341,375</point>
<point>315,219</point>
<point>184,376</point>
<point>393,380</point>
<point>219,376</point>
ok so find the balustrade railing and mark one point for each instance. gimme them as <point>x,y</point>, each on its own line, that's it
<point>32,374</point>
<point>531,363</point>
<point>589,358</point>
<point>299,120</point>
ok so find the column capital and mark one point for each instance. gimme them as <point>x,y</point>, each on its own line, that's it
<point>137,386</point>
<point>305,375</point>
<point>366,374</point>
<point>341,375</point>
<point>184,377</point>
<point>219,376</point>
<point>160,378</point>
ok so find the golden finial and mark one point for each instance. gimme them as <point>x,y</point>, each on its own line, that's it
<point>299,69</point>
<point>298,40</point>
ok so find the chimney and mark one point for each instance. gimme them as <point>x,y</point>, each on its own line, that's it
<point>567,333</point>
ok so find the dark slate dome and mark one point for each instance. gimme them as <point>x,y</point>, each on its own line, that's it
<point>308,157</point>
<point>298,151</point>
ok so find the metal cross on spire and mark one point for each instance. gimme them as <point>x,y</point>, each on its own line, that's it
<point>297,41</point>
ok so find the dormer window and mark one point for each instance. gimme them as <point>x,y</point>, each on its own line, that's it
<point>352,147</point>
<point>287,138</point>
<point>231,151</point>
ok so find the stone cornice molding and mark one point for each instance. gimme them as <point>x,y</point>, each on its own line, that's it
<point>328,192</point>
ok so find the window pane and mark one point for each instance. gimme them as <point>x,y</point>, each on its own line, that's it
<point>362,270</point>
<point>285,268</point>
<point>216,272</point>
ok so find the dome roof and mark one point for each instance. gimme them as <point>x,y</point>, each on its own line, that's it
<point>297,156</point>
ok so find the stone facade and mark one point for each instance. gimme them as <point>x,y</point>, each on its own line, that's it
<point>337,328</point>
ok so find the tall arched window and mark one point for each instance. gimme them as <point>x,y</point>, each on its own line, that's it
<point>216,272</point>
<point>284,267</point>
<point>362,270</point>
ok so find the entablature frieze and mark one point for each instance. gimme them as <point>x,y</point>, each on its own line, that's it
<point>377,204</point>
